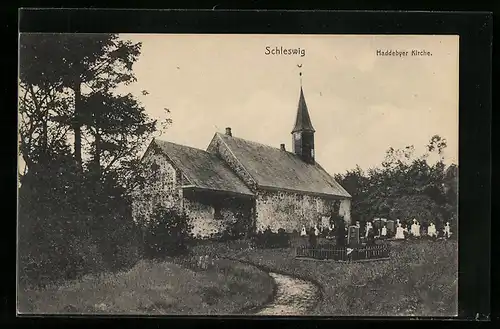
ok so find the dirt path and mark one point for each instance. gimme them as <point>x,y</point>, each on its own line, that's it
<point>293,296</point>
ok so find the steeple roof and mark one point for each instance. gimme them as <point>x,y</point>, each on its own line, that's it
<point>303,121</point>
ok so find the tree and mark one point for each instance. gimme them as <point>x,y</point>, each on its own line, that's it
<point>119,126</point>
<point>405,186</point>
<point>40,135</point>
<point>63,62</point>
<point>75,217</point>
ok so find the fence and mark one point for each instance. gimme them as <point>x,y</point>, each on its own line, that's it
<point>376,252</point>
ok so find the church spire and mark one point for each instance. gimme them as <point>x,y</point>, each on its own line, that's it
<point>303,131</point>
<point>302,121</point>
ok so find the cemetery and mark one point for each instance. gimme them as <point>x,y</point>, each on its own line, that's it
<point>415,275</point>
<point>355,243</point>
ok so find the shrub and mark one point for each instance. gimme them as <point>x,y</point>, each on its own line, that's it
<point>234,230</point>
<point>72,224</point>
<point>269,239</point>
<point>167,234</point>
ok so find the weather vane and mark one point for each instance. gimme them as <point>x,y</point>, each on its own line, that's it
<point>300,73</point>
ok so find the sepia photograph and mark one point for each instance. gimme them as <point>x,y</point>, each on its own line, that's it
<point>244,175</point>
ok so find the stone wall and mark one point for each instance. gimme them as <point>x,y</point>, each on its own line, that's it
<point>202,218</point>
<point>292,210</point>
<point>278,209</point>
<point>345,210</point>
<point>163,188</point>
<point>214,214</point>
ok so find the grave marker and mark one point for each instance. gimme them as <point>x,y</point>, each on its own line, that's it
<point>353,236</point>
<point>391,228</point>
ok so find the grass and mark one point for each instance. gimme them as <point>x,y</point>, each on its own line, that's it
<point>420,279</point>
<point>155,288</point>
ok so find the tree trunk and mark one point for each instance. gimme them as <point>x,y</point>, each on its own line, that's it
<point>97,155</point>
<point>45,137</point>
<point>77,125</point>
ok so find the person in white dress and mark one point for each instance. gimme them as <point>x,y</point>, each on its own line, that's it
<point>369,227</point>
<point>316,230</point>
<point>415,228</point>
<point>303,231</point>
<point>383,232</point>
<point>399,233</point>
<point>431,230</point>
<point>447,231</point>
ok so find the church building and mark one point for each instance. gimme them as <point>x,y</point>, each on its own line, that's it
<point>236,180</point>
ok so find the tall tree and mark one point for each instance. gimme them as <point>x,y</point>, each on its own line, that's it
<point>119,127</point>
<point>405,186</point>
<point>69,209</point>
<point>40,135</point>
<point>77,62</point>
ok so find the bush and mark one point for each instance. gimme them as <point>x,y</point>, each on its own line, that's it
<point>269,239</point>
<point>234,230</point>
<point>72,223</point>
<point>167,234</point>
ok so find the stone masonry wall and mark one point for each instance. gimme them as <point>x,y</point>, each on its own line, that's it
<point>163,188</point>
<point>345,210</point>
<point>292,210</point>
<point>209,219</point>
<point>202,218</point>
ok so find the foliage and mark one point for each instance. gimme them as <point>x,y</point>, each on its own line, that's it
<point>70,225</point>
<point>68,89</point>
<point>74,206</point>
<point>405,187</point>
<point>167,233</point>
<point>269,239</point>
<point>239,225</point>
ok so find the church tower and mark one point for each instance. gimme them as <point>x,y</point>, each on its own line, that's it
<point>303,132</point>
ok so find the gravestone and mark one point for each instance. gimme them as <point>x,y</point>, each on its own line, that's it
<point>391,228</point>
<point>353,236</point>
<point>377,225</point>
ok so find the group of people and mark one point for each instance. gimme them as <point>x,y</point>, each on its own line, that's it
<point>313,230</point>
<point>381,231</point>
<point>402,231</point>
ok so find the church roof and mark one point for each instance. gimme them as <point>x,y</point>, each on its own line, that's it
<point>274,168</point>
<point>302,121</point>
<point>203,170</point>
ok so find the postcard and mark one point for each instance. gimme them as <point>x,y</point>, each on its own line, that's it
<point>225,174</point>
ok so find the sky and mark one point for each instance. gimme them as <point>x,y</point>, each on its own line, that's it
<point>360,104</point>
